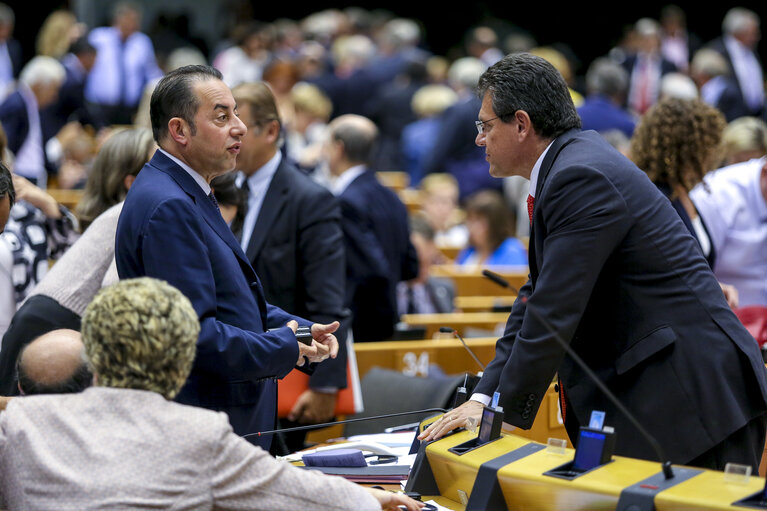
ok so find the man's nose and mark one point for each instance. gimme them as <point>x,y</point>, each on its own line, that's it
<point>239,127</point>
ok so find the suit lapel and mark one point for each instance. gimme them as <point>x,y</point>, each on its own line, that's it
<point>548,162</point>
<point>276,197</point>
<point>208,211</point>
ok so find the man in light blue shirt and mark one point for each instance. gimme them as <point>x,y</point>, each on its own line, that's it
<point>125,64</point>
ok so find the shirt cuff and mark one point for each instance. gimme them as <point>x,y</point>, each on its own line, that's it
<point>324,390</point>
<point>482,398</point>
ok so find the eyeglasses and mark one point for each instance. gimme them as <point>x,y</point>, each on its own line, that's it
<point>481,124</point>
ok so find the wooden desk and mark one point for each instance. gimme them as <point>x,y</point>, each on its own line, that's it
<point>394,179</point>
<point>450,252</point>
<point>414,357</point>
<point>471,282</point>
<point>411,198</point>
<point>67,198</point>
<point>461,321</point>
<point>482,303</point>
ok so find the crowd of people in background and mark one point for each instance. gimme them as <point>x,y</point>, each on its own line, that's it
<point>325,102</point>
<point>84,83</point>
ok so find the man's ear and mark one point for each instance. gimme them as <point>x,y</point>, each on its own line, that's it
<point>178,130</point>
<point>524,124</point>
<point>273,131</point>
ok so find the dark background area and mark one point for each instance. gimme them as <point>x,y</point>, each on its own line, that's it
<point>589,29</point>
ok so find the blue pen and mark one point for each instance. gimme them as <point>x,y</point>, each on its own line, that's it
<point>496,397</point>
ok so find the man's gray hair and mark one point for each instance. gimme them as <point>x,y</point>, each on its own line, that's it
<point>606,77</point>
<point>738,19</point>
<point>42,70</point>
<point>7,16</point>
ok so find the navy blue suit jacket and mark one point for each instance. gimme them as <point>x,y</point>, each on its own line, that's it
<point>378,255</point>
<point>15,120</point>
<point>614,271</point>
<point>169,229</point>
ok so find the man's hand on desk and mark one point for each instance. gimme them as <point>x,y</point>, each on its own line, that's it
<point>392,501</point>
<point>453,419</point>
<point>313,407</point>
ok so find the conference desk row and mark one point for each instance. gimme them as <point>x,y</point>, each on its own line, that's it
<point>448,354</point>
<point>515,473</point>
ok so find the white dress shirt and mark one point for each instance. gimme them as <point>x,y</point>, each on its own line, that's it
<point>735,214</point>
<point>484,398</point>
<point>122,68</point>
<point>258,184</point>
<point>6,71</point>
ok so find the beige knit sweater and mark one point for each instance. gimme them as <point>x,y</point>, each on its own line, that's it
<point>75,279</point>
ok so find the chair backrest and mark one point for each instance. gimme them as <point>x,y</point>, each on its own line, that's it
<point>388,391</point>
<point>754,318</point>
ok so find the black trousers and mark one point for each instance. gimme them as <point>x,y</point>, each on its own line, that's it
<point>744,447</point>
<point>38,315</point>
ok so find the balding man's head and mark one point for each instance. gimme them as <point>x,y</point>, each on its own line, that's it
<point>353,137</point>
<point>54,363</point>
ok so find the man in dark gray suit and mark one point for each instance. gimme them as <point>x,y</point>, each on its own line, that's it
<point>291,234</point>
<point>614,273</point>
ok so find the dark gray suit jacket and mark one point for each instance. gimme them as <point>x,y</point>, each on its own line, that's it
<point>297,250</point>
<point>615,273</point>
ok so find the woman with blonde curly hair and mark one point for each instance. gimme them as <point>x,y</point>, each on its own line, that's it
<point>676,143</point>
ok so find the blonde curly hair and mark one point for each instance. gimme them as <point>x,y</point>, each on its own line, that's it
<point>141,334</point>
<point>678,141</point>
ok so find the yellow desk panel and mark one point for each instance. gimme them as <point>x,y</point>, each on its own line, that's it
<point>451,476</point>
<point>707,491</point>
<point>525,487</point>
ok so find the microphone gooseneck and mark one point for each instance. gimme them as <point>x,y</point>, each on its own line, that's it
<point>347,421</point>
<point>659,453</point>
<point>448,330</point>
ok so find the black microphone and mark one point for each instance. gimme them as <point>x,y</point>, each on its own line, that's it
<point>448,330</point>
<point>666,465</point>
<point>347,421</point>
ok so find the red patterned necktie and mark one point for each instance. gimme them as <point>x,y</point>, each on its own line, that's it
<point>530,202</point>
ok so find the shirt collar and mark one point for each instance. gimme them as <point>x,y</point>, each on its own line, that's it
<point>733,45</point>
<point>537,169</point>
<point>342,182</point>
<point>27,95</point>
<point>197,177</point>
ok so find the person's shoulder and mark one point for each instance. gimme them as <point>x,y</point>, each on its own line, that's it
<point>303,185</point>
<point>100,35</point>
<point>12,104</point>
<point>740,174</point>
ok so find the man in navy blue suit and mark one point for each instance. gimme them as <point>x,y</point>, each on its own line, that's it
<point>170,228</point>
<point>374,221</point>
<point>615,274</point>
